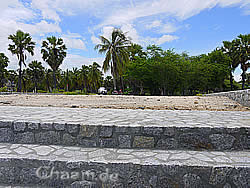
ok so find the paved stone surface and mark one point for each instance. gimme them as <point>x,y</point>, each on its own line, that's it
<point>121,117</point>
<point>108,155</point>
<point>166,130</point>
<point>58,167</point>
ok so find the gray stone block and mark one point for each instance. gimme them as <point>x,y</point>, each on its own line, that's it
<point>73,128</point>
<point>49,137</point>
<point>222,141</point>
<point>167,143</point>
<point>154,131</point>
<point>59,126</point>
<point>46,126</point>
<point>124,141</point>
<point>5,124</point>
<point>19,126</point>
<point>6,135</point>
<point>68,139</point>
<point>86,143</point>
<point>24,138</point>
<point>108,143</point>
<point>106,131</point>
<point>33,126</point>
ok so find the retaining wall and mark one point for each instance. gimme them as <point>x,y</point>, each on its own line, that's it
<point>241,96</point>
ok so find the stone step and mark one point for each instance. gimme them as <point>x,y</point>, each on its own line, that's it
<point>138,129</point>
<point>59,166</point>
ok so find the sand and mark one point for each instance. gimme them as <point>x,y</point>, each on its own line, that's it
<point>210,103</point>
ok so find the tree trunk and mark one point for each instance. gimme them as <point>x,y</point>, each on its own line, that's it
<point>19,85</point>
<point>54,78</point>
<point>231,81</point>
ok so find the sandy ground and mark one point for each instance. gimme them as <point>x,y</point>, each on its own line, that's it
<point>124,102</point>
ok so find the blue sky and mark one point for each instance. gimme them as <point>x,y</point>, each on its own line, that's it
<point>194,26</point>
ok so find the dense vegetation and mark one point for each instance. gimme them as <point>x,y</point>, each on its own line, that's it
<point>150,71</point>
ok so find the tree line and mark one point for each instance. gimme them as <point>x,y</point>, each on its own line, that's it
<point>134,70</point>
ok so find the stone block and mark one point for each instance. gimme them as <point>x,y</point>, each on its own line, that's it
<point>143,142</point>
<point>106,132</point>
<point>124,141</point>
<point>24,138</point>
<point>6,135</point>
<point>5,124</point>
<point>86,143</point>
<point>73,128</point>
<point>167,143</point>
<point>33,126</point>
<point>222,141</point>
<point>19,126</point>
<point>88,131</point>
<point>154,131</point>
<point>108,143</point>
<point>59,126</point>
<point>68,140</point>
<point>46,126</point>
<point>49,137</point>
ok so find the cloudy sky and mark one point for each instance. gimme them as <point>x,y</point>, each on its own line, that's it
<point>194,26</point>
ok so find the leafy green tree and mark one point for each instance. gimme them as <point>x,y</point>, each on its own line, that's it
<point>35,72</point>
<point>116,53</point>
<point>3,71</point>
<point>54,52</point>
<point>243,50</point>
<point>230,49</point>
<point>22,44</point>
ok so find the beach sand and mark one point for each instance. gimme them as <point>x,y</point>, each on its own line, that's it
<point>211,103</point>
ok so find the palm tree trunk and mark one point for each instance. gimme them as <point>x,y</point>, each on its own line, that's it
<point>19,87</point>
<point>54,78</point>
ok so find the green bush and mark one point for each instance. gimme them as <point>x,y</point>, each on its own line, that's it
<point>41,91</point>
<point>3,89</point>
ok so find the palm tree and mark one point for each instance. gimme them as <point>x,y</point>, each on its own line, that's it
<point>116,52</point>
<point>53,52</point>
<point>95,75</point>
<point>22,43</point>
<point>84,77</point>
<point>35,72</point>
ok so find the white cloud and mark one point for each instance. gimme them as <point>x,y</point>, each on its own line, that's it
<point>166,38</point>
<point>156,23</point>
<point>78,60</point>
<point>181,9</point>
<point>74,41</point>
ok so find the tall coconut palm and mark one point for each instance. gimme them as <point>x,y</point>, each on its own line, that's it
<point>22,44</point>
<point>84,77</point>
<point>116,52</point>
<point>95,75</point>
<point>35,72</point>
<point>54,52</point>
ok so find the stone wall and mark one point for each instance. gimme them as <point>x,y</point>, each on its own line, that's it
<point>129,175</point>
<point>166,138</point>
<point>242,96</point>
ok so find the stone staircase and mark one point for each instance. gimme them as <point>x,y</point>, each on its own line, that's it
<point>63,147</point>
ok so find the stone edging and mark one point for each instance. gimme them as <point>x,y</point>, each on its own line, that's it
<point>241,96</point>
<point>23,172</point>
<point>165,138</point>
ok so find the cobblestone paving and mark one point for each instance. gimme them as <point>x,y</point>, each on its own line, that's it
<point>119,117</point>
<point>142,157</point>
